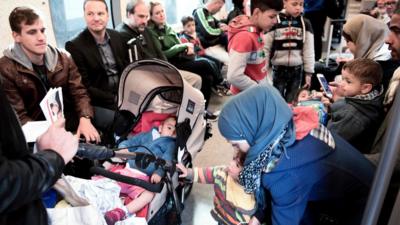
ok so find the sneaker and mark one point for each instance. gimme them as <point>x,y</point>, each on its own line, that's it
<point>114,215</point>
<point>224,91</point>
<point>211,116</point>
<point>216,91</point>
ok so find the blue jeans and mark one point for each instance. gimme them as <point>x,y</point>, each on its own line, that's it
<point>287,79</point>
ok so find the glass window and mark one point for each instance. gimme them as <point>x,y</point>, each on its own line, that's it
<point>175,12</point>
<point>176,9</point>
<point>67,18</point>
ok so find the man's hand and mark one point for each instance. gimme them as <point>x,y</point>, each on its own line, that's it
<point>56,138</point>
<point>86,129</point>
<point>155,178</point>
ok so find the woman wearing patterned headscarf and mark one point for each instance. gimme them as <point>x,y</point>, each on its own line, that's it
<point>298,173</point>
<point>365,38</point>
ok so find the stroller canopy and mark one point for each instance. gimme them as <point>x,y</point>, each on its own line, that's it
<point>143,80</point>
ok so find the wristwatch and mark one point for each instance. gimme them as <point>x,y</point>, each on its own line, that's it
<point>87,117</point>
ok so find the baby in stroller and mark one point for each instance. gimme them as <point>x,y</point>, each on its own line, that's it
<point>160,142</point>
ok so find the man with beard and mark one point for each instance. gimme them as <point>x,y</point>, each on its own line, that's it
<point>135,34</point>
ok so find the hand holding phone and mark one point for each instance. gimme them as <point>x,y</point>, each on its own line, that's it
<point>325,85</point>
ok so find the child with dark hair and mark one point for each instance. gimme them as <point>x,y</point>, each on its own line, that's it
<point>232,205</point>
<point>161,142</point>
<point>188,35</point>
<point>305,98</point>
<point>247,60</point>
<point>290,46</point>
<point>357,110</point>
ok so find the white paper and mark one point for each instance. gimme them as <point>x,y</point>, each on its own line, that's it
<point>33,129</point>
<point>52,105</point>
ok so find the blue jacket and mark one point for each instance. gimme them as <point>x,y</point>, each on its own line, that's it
<point>162,147</point>
<point>312,171</point>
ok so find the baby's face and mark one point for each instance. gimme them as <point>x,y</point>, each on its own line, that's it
<point>234,168</point>
<point>304,96</point>
<point>167,128</point>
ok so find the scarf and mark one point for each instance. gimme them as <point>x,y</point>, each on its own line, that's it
<point>391,92</point>
<point>260,116</point>
<point>368,34</point>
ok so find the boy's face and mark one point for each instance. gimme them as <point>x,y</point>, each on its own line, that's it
<point>234,168</point>
<point>189,27</point>
<point>351,86</point>
<point>96,16</point>
<point>167,128</point>
<point>265,20</point>
<point>294,7</point>
<point>32,38</point>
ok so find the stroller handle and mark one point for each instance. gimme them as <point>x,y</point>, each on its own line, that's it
<point>129,180</point>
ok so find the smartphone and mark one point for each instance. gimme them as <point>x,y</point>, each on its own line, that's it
<point>324,85</point>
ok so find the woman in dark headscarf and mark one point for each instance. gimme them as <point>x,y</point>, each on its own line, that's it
<point>297,172</point>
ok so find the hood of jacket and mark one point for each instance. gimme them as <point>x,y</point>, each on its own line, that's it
<point>16,53</point>
<point>239,24</point>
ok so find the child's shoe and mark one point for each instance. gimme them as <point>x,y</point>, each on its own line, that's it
<point>114,215</point>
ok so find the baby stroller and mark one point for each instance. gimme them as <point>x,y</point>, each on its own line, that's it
<point>156,85</point>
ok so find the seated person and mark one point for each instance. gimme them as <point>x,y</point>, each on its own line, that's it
<point>178,54</point>
<point>161,143</point>
<point>212,32</point>
<point>188,35</point>
<point>232,205</point>
<point>357,103</point>
<point>30,67</point>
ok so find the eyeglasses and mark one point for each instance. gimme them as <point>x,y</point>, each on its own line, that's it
<point>390,3</point>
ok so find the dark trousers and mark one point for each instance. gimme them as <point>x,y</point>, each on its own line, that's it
<point>202,68</point>
<point>287,79</point>
<point>317,20</point>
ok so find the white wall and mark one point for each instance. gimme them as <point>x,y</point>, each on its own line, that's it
<point>6,6</point>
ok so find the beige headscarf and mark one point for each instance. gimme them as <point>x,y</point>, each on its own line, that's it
<point>368,34</point>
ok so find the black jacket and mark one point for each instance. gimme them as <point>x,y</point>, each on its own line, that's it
<point>24,176</point>
<point>145,44</point>
<point>87,57</point>
<point>357,120</point>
